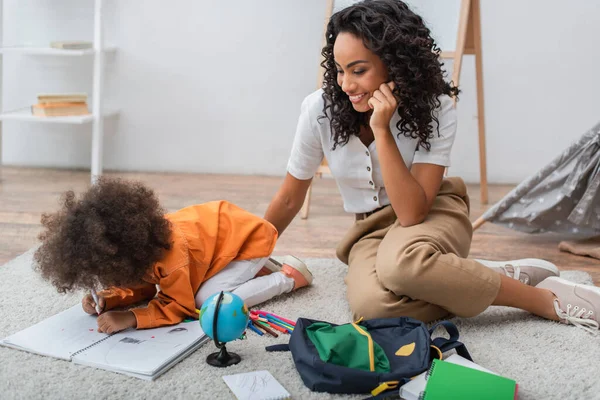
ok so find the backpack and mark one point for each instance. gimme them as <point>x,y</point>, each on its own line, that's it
<point>371,356</point>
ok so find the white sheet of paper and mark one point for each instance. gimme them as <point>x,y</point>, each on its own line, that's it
<point>59,336</point>
<point>143,351</point>
<point>72,335</point>
<point>256,385</point>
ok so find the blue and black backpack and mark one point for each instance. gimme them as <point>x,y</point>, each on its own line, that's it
<point>372,356</point>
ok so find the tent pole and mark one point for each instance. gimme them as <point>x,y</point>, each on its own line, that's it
<point>477,224</point>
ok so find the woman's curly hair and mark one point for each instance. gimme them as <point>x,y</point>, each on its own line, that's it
<point>400,38</point>
<point>110,236</point>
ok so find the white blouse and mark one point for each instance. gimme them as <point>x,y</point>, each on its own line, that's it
<point>356,167</point>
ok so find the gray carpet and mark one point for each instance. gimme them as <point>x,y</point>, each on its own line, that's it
<point>549,360</point>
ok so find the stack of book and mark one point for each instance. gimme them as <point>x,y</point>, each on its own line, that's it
<point>60,105</point>
<point>71,45</point>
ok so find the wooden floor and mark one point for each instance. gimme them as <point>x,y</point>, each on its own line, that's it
<point>25,193</point>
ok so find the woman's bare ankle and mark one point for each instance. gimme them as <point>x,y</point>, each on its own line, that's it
<point>548,311</point>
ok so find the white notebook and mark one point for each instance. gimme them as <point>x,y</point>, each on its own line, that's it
<point>256,385</point>
<point>72,335</point>
<point>412,390</point>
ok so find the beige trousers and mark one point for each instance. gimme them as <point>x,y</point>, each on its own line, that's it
<point>419,271</point>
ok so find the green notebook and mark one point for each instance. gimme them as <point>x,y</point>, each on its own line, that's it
<point>447,381</point>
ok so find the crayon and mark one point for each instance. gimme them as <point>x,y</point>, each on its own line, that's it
<point>95,297</point>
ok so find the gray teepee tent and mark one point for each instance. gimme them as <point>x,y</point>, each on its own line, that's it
<point>562,197</point>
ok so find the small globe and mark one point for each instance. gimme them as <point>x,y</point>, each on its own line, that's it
<point>231,321</point>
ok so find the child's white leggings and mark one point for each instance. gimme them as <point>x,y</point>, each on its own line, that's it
<point>239,277</point>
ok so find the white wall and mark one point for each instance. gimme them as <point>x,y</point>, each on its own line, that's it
<point>216,86</point>
<point>203,86</point>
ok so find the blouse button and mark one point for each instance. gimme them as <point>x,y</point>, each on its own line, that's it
<point>366,152</point>
<point>371,183</point>
<point>368,168</point>
<point>374,198</point>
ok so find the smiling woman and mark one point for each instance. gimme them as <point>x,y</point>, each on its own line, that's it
<point>368,45</point>
<point>385,122</point>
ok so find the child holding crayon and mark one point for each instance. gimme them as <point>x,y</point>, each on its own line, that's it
<point>117,236</point>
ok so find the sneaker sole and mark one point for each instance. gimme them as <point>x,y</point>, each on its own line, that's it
<point>525,262</point>
<point>298,265</point>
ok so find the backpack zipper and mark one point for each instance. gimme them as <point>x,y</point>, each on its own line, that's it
<point>370,341</point>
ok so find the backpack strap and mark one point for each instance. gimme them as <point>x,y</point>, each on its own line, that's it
<point>452,343</point>
<point>278,347</point>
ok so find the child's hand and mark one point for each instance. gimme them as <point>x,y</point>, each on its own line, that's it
<point>89,305</point>
<point>114,321</point>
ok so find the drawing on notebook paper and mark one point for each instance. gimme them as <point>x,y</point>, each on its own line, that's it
<point>128,348</point>
<point>145,354</point>
<point>175,330</point>
<point>131,340</point>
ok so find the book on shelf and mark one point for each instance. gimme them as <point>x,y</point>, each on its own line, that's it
<point>47,98</point>
<point>71,45</point>
<point>59,109</point>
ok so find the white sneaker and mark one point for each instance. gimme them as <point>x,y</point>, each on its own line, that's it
<point>575,304</point>
<point>296,269</point>
<point>530,271</point>
<point>290,266</point>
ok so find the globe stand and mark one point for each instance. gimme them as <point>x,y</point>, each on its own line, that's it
<point>222,358</point>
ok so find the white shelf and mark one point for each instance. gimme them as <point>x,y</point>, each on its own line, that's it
<point>24,114</point>
<point>98,57</point>
<point>49,51</point>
